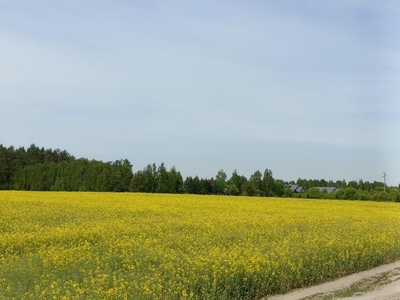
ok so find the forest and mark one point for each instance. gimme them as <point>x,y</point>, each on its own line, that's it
<point>40,169</point>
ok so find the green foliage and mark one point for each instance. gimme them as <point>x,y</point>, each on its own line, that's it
<point>256,180</point>
<point>77,175</point>
<point>220,180</point>
<point>363,195</point>
<point>314,193</point>
<point>232,190</point>
<point>155,179</point>
<point>340,194</point>
<point>350,193</point>
<point>138,182</point>
<point>381,196</point>
<point>278,188</point>
<point>288,193</point>
<point>249,189</point>
<point>176,181</point>
<point>221,176</point>
<point>268,182</point>
<point>200,186</point>
<point>237,181</point>
<point>192,185</point>
<point>43,169</point>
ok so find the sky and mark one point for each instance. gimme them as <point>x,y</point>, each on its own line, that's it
<point>306,89</point>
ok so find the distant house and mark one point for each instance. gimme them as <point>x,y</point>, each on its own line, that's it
<point>294,187</point>
<point>328,189</point>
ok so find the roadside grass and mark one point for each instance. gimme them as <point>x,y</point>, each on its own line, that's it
<point>361,287</point>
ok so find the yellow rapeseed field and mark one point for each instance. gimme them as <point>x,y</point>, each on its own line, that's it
<point>154,246</point>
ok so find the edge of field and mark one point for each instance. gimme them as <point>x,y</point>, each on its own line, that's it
<point>373,280</point>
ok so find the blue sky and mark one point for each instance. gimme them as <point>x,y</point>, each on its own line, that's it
<point>305,88</point>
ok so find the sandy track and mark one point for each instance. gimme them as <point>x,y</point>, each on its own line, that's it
<point>381,283</point>
<point>387,292</point>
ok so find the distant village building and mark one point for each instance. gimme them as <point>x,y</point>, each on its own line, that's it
<point>328,189</point>
<point>294,187</point>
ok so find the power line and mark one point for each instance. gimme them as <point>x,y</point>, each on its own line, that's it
<point>384,181</point>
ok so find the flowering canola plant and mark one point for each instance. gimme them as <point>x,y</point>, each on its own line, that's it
<point>154,246</point>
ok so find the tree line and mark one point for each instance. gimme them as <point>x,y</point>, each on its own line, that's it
<point>40,169</point>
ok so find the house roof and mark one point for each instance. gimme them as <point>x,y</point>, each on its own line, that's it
<point>294,187</point>
<point>328,189</point>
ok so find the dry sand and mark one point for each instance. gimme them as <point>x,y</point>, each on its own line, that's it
<point>381,283</point>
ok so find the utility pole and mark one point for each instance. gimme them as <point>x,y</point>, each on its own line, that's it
<point>384,181</point>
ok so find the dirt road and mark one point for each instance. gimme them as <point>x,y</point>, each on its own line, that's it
<point>382,283</point>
